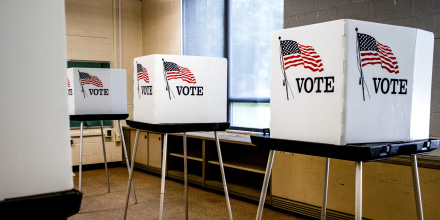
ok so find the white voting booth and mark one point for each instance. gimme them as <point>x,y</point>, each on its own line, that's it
<point>349,81</point>
<point>96,91</point>
<point>98,94</point>
<point>179,94</point>
<point>35,152</point>
<point>179,89</point>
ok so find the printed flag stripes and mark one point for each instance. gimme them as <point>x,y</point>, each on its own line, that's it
<point>142,73</point>
<point>372,52</point>
<point>89,79</point>
<point>295,54</point>
<point>175,71</point>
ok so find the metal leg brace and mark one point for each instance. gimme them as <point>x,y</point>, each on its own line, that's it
<point>324,193</point>
<point>225,187</point>
<point>162,185</point>
<point>80,158</point>
<point>105,156</point>
<point>265,184</point>
<point>416,184</point>
<point>185,173</point>
<point>358,197</point>
<point>130,174</point>
<point>127,160</point>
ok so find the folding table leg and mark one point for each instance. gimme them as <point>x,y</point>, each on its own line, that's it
<point>416,184</point>
<point>105,156</point>
<point>225,187</point>
<point>80,158</point>
<point>130,174</point>
<point>324,193</point>
<point>185,173</point>
<point>127,160</point>
<point>162,184</point>
<point>358,197</point>
<point>265,184</point>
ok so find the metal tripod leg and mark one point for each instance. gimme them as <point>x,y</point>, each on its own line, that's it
<point>358,197</point>
<point>130,174</point>
<point>80,158</point>
<point>105,156</point>
<point>162,184</point>
<point>324,193</point>
<point>185,173</point>
<point>225,187</point>
<point>265,184</point>
<point>416,184</point>
<point>127,160</point>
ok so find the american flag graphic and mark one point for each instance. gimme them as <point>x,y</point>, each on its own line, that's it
<point>372,52</point>
<point>142,73</point>
<point>295,54</point>
<point>68,82</point>
<point>175,71</point>
<point>89,79</point>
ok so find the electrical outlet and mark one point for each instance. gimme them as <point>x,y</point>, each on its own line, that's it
<point>108,133</point>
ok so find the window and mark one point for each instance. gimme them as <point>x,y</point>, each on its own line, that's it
<point>89,64</point>
<point>240,31</point>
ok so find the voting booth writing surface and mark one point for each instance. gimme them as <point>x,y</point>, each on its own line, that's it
<point>349,81</point>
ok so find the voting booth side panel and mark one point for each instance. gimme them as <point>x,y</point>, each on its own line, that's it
<point>119,91</point>
<point>421,101</point>
<point>144,89</point>
<point>217,102</point>
<point>387,90</point>
<point>35,154</point>
<point>307,83</point>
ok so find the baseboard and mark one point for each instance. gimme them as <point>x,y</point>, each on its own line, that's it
<point>308,210</point>
<point>98,166</point>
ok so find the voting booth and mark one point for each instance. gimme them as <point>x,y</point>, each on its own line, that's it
<point>179,94</point>
<point>98,94</point>
<point>96,91</point>
<point>179,89</point>
<point>35,155</point>
<point>349,81</point>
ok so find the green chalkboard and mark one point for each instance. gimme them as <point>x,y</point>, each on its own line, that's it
<point>89,64</point>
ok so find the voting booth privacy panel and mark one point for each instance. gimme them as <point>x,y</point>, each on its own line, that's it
<point>179,89</point>
<point>96,91</point>
<point>349,81</point>
<point>35,155</point>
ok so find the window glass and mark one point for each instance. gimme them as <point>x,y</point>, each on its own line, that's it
<point>250,115</point>
<point>240,31</point>
<point>250,26</point>
<point>203,28</point>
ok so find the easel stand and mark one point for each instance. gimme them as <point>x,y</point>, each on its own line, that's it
<point>102,117</point>
<point>176,128</point>
<point>358,153</point>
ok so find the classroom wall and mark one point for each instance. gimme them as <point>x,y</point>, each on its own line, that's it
<point>387,188</point>
<point>148,27</point>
